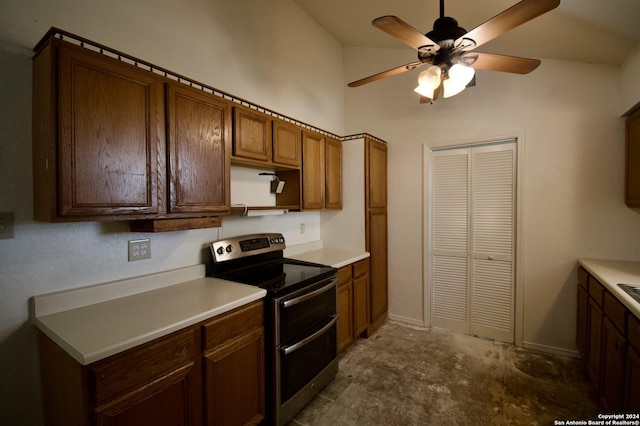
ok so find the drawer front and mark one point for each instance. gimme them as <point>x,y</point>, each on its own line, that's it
<point>361,268</point>
<point>126,371</point>
<point>344,275</point>
<point>596,290</point>
<point>583,277</point>
<point>616,312</point>
<point>633,332</point>
<point>233,324</point>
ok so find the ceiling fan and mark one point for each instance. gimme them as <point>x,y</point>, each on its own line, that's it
<point>448,49</point>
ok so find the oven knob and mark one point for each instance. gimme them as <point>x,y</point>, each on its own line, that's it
<point>229,248</point>
<point>220,250</point>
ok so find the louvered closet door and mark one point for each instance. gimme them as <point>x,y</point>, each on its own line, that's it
<point>450,239</point>
<point>472,240</point>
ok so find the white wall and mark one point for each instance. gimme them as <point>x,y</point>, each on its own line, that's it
<point>260,50</point>
<point>573,178</point>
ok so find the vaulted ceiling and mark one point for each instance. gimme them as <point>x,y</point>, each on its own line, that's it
<point>592,31</point>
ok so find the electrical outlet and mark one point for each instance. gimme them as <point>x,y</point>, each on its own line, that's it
<point>139,249</point>
<point>302,228</point>
<point>6,225</point>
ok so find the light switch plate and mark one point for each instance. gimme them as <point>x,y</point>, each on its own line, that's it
<point>6,225</point>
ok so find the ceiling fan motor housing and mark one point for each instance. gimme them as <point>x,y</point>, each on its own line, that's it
<point>445,31</point>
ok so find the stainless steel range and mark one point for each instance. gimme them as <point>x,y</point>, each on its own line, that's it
<point>300,317</point>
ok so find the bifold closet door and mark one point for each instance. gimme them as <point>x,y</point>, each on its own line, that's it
<point>472,240</point>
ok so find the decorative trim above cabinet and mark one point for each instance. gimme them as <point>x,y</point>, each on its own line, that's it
<point>115,54</point>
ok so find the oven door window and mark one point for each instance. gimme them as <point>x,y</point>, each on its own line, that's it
<point>304,359</point>
<point>302,310</point>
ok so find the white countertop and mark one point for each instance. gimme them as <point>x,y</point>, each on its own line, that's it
<point>610,273</point>
<point>335,258</point>
<point>90,331</point>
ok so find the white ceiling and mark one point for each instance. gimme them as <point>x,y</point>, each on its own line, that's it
<point>593,31</point>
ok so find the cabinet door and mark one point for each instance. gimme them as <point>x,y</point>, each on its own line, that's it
<point>163,402</point>
<point>287,145</point>
<point>199,151</point>
<point>109,136</point>
<point>333,174</point>
<point>376,170</point>
<point>614,351</point>
<point>313,163</point>
<point>234,376</point>
<point>595,340</point>
<point>378,250</point>
<point>582,323</point>
<point>632,392</point>
<point>251,134</point>
<point>360,304</point>
<point>156,383</point>
<point>632,174</point>
<point>345,321</point>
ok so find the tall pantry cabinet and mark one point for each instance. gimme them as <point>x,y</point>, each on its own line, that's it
<point>376,228</point>
<point>362,222</point>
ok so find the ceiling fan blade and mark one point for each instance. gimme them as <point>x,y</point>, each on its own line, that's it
<point>492,62</point>
<point>388,73</point>
<point>404,32</point>
<point>516,15</point>
<point>425,100</point>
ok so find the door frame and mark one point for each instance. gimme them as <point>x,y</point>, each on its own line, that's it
<point>519,138</point>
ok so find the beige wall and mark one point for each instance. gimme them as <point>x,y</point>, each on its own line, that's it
<point>568,115</point>
<point>268,52</point>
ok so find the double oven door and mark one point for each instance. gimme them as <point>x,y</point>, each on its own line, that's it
<point>304,348</point>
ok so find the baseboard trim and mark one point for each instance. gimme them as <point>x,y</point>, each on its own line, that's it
<point>406,320</point>
<point>554,350</point>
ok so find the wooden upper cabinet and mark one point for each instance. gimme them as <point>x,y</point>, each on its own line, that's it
<point>97,135</point>
<point>313,178</point>
<point>333,174</point>
<point>376,169</point>
<point>260,138</point>
<point>632,159</point>
<point>251,134</point>
<point>287,148</point>
<point>321,172</point>
<point>198,150</point>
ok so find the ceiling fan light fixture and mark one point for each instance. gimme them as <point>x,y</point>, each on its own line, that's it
<point>459,76</point>
<point>428,81</point>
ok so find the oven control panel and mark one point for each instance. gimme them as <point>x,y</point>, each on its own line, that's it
<point>246,245</point>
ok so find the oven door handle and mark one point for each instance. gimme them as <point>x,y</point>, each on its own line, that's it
<point>288,349</point>
<point>307,296</point>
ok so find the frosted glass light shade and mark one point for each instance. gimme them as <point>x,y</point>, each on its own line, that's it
<point>459,77</point>
<point>428,81</point>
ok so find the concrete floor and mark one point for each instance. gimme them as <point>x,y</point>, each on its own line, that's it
<point>404,375</point>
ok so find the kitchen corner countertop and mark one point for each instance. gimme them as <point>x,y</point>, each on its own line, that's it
<point>610,273</point>
<point>336,258</point>
<point>104,326</point>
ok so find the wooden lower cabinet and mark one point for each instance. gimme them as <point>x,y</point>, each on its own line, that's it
<point>612,379</point>
<point>608,338</point>
<point>361,297</point>
<point>595,338</point>
<point>379,275</point>
<point>234,368</point>
<point>353,302</point>
<point>345,308</point>
<point>209,373</point>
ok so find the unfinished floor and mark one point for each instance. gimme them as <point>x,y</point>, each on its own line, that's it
<point>405,375</point>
